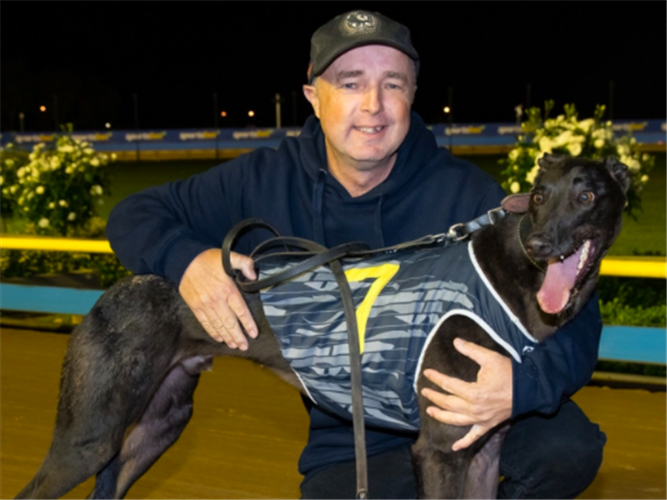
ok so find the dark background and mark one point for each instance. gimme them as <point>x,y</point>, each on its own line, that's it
<point>95,55</point>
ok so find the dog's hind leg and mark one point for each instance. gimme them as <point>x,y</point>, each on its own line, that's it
<point>166,416</point>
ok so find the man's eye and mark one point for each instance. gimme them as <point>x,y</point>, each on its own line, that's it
<point>349,85</point>
<point>393,86</point>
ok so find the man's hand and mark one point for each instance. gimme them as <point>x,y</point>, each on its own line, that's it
<point>215,300</point>
<point>482,404</point>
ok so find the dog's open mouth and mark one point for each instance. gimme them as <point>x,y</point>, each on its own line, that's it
<point>562,276</point>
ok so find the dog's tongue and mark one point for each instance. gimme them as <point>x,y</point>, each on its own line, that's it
<point>558,283</point>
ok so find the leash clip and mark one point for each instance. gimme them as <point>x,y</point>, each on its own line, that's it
<point>457,232</point>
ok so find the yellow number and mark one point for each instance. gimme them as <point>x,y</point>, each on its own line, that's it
<point>383,275</point>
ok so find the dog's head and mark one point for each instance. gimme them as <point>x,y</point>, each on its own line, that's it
<point>575,208</point>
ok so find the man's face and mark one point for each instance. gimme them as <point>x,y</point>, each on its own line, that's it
<point>363,102</point>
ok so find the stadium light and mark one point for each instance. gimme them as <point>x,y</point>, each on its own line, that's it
<point>446,109</point>
<point>223,114</point>
<point>107,125</point>
<point>42,109</point>
<point>251,113</point>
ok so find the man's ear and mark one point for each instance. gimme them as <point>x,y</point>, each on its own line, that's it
<point>310,91</point>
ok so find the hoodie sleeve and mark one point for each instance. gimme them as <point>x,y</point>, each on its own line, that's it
<point>161,229</point>
<point>560,365</point>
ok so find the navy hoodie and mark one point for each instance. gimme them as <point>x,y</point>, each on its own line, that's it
<point>161,230</point>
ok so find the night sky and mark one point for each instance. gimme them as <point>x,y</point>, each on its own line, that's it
<point>95,55</point>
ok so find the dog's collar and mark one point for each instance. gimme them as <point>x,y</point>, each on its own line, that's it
<point>522,231</point>
<point>461,231</point>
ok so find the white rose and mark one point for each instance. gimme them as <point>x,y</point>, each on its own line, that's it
<point>26,209</point>
<point>39,190</point>
<point>32,156</point>
<point>71,216</point>
<point>514,154</point>
<point>63,203</point>
<point>95,162</point>
<point>114,156</point>
<point>574,148</point>
<point>9,162</point>
<point>43,222</point>
<point>2,180</point>
<point>69,170</point>
<point>13,189</point>
<point>515,187</point>
<point>67,148</point>
<point>623,149</point>
<point>55,162</point>
<point>20,172</point>
<point>598,143</point>
<point>89,151</point>
<point>96,190</point>
<point>644,179</point>
<point>52,205</point>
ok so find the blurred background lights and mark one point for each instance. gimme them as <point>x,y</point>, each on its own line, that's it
<point>42,108</point>
<point>251,113</point>
<point>107,125</point>
<point>446,109</point>
<point>223,113</point>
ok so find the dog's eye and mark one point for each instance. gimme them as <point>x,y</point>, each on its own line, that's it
<point>538,198</point>
<point>586,197</point>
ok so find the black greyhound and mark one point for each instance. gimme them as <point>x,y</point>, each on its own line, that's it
<point>133,364</point>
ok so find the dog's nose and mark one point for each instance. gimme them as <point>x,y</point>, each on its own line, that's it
<point>539,245</point>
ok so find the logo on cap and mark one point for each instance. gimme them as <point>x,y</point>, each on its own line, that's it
<point>359,23</point>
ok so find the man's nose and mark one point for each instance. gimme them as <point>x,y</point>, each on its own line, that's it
<point>372,102</point>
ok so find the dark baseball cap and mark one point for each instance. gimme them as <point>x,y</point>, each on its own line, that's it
<point>355,29</point>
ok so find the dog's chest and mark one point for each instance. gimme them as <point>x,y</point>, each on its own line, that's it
<point>399,299</point>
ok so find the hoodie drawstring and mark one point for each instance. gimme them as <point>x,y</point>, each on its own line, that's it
<point>318,222</point>
<point>378,223</point>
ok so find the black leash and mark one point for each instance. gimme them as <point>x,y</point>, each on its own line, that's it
<point>317,255</point>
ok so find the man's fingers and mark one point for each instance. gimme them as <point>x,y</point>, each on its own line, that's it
<point>244,264</point>
<point>473,351</point>
<point>449,384</point>
<point>448,417</point>
<point>446,401</point>
<point>473,435</point>
<point>240,308</point>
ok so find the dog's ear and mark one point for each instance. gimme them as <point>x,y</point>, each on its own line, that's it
<point>549,160</point>
<point>516,203</point>
<point>619,171</point>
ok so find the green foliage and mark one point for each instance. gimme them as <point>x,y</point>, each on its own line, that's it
<point>618,313</point>
<point>59,186</point>
<point>28,263</point>
<point>591,138</point>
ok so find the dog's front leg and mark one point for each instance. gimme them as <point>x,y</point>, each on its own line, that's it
<point>483,475</point>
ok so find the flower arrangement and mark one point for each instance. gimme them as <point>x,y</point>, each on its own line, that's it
<point>591,138</point>
<point>56,188</point>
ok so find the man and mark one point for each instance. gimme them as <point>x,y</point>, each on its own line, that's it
<point>366,168</point>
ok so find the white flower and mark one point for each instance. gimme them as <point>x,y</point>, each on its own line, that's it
<point>9,162</point>
<point>63,203</point>
<point>67,148</point>
<point>13,189</point>
<point>52,205</point>
<point>598,143</point>
<point>96,190</point>
<point>95,162</point>
<point>32,156</point>
<point>530,176</point>
<point>644,179</point>
<point>89,151</point>
<point>2,180</point>
<point>44,222</point>
<point>623,149</point>
<point>71,216</point>
<point>515,187</point>
<point>69,170</point>
<point>114,156</point>
<point>55,162</point>
<point>26,209</point>
<point>546,144</point>
<point>514,154</point>
<point>586,125</point>
<point>39,190</point>
<point>21,172</point>
<point>574,148</point>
